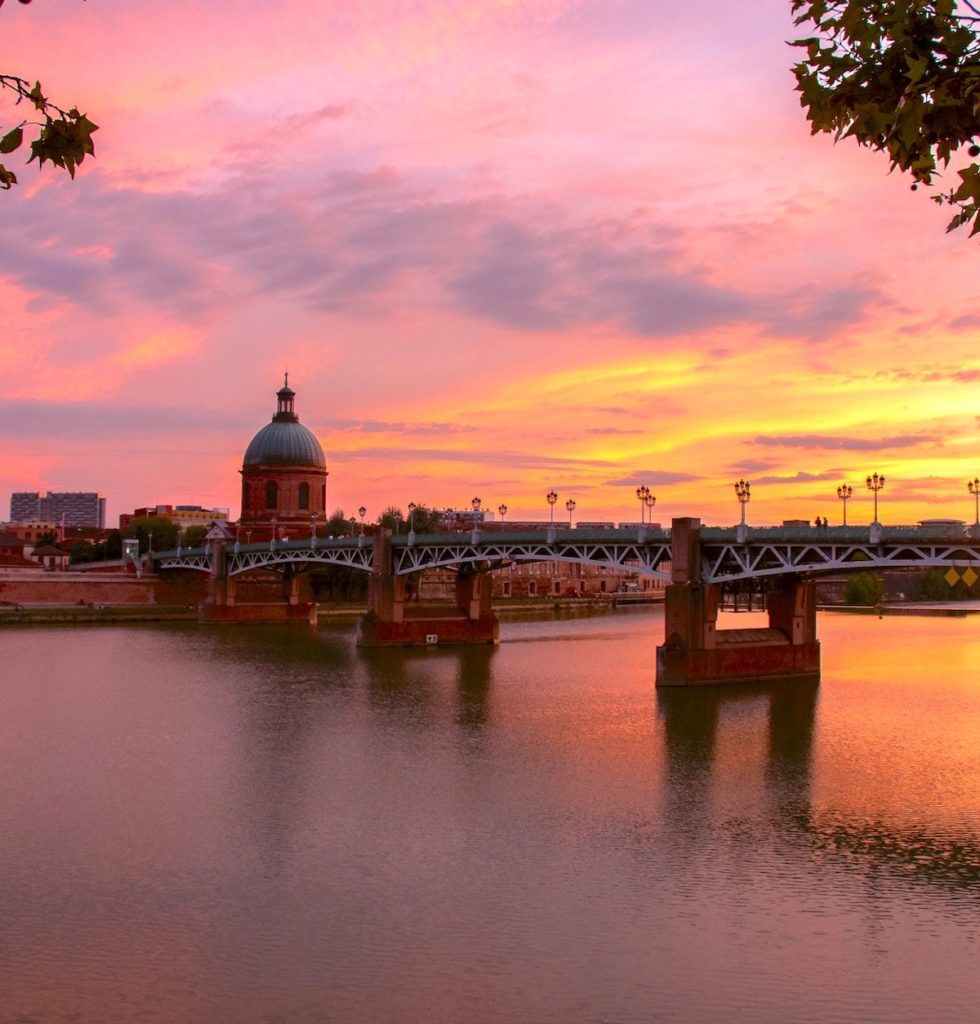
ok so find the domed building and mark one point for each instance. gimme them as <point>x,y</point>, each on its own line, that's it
<point>284,475</point>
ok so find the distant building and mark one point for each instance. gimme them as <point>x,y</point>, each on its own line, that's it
<point>30,531</point>
<point>460,519</point>
<point>14,553</point>
<point>11,544</point>
<point>50,556</point>
<point>182,515</point>
<point>572,579</point>
<point>66,508</point>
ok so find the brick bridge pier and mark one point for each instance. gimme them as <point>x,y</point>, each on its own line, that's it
<point>695,652</point>
<point>391,621</point>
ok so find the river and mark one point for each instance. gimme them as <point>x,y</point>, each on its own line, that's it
<point>235,825</point>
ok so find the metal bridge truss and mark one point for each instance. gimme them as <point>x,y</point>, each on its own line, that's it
<point>412,554</point>
<point>723,558</point>
<point>631,555</point>
<point>193,558</point>
<point>724,562</point>
<point>245,557</point>
<point>349,556</point>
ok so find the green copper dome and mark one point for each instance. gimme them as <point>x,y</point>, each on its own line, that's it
<point>285,441</point>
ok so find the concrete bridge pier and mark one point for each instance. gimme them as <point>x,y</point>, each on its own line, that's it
<point>695,652</point>
<point>391,621</point>
<point>223,603</point>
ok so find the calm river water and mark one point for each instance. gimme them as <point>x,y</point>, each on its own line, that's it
<point>237,825</point>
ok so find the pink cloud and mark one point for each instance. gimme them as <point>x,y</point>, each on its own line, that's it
<point>578,237</point>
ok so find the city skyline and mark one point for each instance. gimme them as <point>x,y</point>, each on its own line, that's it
<point>501,247</point>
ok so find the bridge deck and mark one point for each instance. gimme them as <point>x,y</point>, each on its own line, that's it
<point>766,551</point>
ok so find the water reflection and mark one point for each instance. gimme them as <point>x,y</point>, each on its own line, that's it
<point>792,717</point>
<point>694,728</point>
<point>410,684</point>
<point>266,824</point>
<point>474,687</point>
<point>949,860</point>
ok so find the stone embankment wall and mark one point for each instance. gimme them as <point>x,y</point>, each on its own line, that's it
<point>65,588</point>
<point>73,588</point>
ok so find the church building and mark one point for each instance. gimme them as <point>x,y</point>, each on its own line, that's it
<point>284,477</point>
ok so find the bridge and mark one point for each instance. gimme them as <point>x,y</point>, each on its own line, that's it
<point>725,558</point>
<point>695,561</point>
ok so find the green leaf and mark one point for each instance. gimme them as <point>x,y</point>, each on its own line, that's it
<point>12,140</point>
<point>917,67</point>
<point>37,98</point>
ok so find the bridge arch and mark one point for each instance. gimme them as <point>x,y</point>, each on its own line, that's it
<point>614,549</point>
<point>727,562</point>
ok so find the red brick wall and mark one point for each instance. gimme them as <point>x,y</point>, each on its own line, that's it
<point>287,511</point>
<point>72,588</point>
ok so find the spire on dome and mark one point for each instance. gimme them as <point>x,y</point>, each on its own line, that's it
<point>284,406</point>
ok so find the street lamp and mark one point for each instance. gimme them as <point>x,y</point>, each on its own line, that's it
<point>743,491</point>
<point>973,486</point>
<point>649,500</point>
<point>313,530</point>
<point>552,497</point>
<point>570,505</point>
<point>642,493</point>
<point>875,484</point>
<point>362,512</point>
<point>353,525</point>
<point>476,503</point>
<point>275,524</point>
<point>502,511</point>
<point>411,516</point>
<point>844,492</point>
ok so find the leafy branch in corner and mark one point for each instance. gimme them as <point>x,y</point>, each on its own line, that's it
<point>901,77</point>
<point>64,137</point>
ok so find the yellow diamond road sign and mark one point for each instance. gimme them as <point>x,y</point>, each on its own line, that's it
<point>952,577</point>
<point>969,577</point>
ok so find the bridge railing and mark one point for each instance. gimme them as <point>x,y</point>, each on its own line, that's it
<point>560,534</point>
<point>845,534</point>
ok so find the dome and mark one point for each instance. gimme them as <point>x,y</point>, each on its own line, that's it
<point>285,444</point>
<point>285,441</point>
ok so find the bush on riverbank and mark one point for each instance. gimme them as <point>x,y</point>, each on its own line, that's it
<point>865,589</point>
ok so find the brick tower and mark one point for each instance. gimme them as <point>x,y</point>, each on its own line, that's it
<point>284,476</point>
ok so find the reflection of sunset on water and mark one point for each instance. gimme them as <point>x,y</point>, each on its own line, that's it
<point>533,820</point>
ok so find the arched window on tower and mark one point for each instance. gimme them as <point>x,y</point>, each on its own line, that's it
<point>323,498</point>
<point>304,496</point>
<point>246,496</point>
<point>272,494</point>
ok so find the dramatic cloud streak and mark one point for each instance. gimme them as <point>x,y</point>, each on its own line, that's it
<point>500,246</point>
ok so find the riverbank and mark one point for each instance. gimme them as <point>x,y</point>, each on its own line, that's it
<point>922,608</point>
<point>93,614</point>
<point>80,614</point>
<point>46,614</point>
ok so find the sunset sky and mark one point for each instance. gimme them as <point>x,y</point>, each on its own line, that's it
<point>501,246</point>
